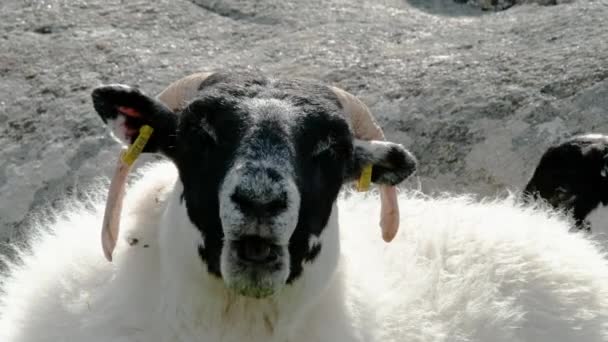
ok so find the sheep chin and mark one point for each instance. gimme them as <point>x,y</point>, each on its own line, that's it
<point>254,283</point>
<point>247,289</point>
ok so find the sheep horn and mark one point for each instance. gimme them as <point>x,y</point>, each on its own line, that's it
<point>365,127</point>
<point>179,93</point>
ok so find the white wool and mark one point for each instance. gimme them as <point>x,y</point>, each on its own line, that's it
<point>459,270</point>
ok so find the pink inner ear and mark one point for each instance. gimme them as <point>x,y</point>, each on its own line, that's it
<point>128,111</point>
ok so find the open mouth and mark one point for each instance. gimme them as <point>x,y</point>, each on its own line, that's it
<point>256,251</point>
<point>254,266</point>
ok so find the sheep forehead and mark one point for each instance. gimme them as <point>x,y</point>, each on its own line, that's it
<point>267,137</point>
<point>297,108</point>
<point>294,125</point>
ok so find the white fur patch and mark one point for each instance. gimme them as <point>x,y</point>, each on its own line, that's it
<point>265,107</point>
<point>458,270</point>
<point>375,147</point>
<point>313,241</point>
<point>323,146</point>
<point>118,130</point>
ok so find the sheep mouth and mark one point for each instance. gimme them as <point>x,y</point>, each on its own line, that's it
<point>254,267</point>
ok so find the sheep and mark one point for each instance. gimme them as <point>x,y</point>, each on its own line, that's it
<point>573,176</point>
<point>243,240</point>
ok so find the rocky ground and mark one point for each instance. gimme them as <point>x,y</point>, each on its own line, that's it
<point>476,95</point>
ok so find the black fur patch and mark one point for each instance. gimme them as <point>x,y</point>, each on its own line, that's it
<point>132,241</point>
<point>569,176</point>
<point>212,267</point>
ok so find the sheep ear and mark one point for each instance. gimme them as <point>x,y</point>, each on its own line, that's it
<point>391,162</point>
<point>604,175</point>
<point>604,170</point>
<point>125,109</point>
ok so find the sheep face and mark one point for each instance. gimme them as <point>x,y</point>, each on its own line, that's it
<point>573,176</point>
<point>261,162</point>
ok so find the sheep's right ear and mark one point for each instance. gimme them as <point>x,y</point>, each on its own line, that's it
<point>125,109</point>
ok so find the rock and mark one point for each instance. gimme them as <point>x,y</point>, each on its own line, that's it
<point>477,96</point>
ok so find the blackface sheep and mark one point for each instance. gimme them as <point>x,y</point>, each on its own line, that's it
<point>238,238</point>
<point>573,176</point>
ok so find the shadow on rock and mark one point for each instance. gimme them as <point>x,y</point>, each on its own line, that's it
<point>475,7</point>
<point>452,8</point>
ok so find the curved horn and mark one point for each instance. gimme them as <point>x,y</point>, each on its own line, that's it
<point>365,127</point>
<point>179,93</point>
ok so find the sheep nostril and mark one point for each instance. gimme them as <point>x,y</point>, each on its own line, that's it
<point>247,202</point>
<point>256,250</point>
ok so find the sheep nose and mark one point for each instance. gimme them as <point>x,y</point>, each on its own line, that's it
<point>256,250</point>
<point>256,204</point>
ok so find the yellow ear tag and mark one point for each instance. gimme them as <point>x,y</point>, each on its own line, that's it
<point>365,179</point>
<point>138,145</point>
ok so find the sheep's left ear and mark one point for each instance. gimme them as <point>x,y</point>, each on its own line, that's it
<point>391,162</point>
<point>604,170</point>
<point>125,109</point>
<point>604,175</point>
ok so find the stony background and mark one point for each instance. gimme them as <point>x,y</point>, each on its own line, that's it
<point>476,95</point>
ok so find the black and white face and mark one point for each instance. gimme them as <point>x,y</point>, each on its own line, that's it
<point>573,176</point>
<point>262,162</point>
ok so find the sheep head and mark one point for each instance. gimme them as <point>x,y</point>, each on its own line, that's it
<point>261,162</point>
<point>573,176</point>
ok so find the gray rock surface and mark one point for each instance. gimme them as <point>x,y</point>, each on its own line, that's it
<point>477,96</point>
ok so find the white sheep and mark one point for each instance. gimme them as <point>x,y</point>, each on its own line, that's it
<point>255,258</point>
